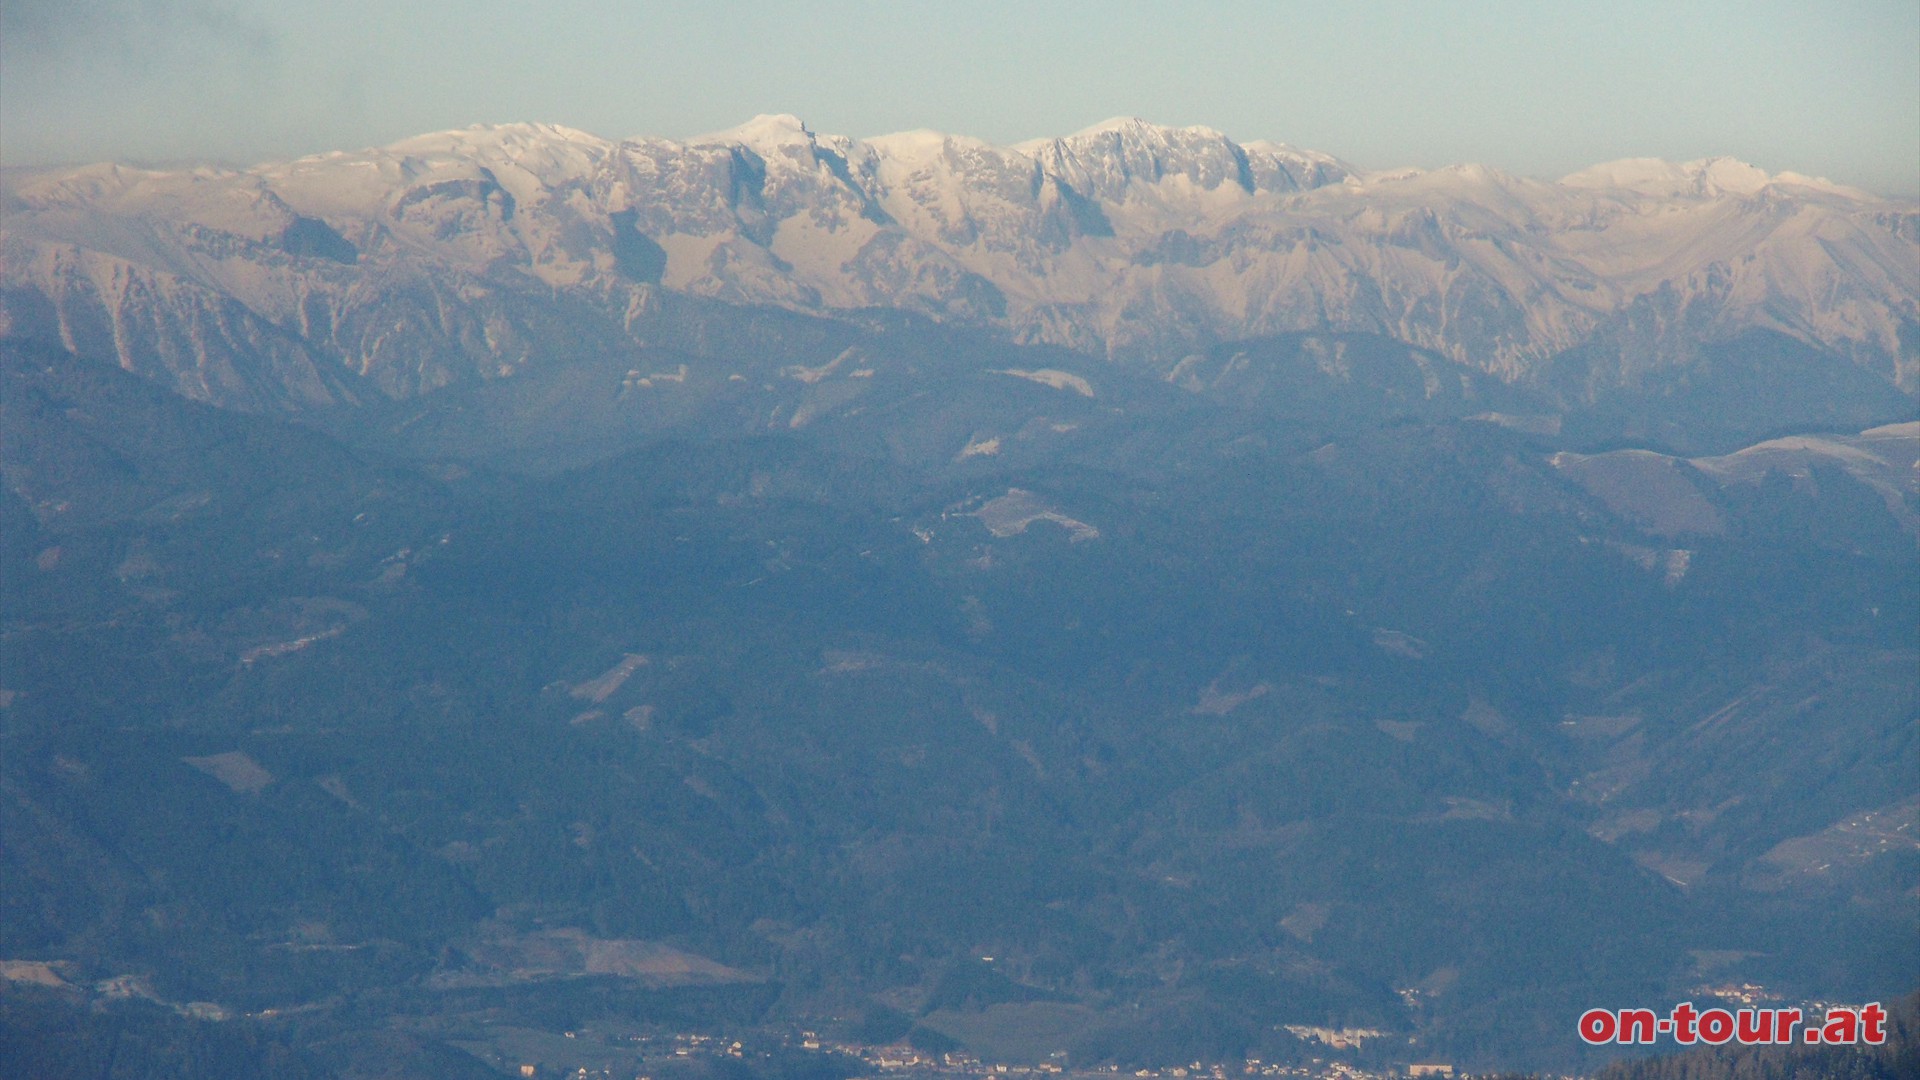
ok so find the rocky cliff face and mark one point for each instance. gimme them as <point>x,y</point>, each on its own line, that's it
<point>470,254</point>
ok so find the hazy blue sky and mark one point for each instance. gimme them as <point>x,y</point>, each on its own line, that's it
<point>1829,88</point>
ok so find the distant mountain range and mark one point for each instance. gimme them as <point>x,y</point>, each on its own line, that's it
<point>471,255</point>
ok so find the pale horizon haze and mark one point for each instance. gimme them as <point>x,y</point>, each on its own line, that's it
<point>1539,89</point>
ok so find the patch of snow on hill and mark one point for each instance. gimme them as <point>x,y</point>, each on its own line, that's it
<point>1059,380</point>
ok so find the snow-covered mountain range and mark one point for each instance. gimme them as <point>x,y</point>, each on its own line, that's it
<point>471,254</point>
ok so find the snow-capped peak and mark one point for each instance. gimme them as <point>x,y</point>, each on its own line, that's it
<point>1126,155</point>
<point>1730,175</point>
<point>924,142</point>
<point>508,139</point>
<point>1134,127</point>
<point>765,130</point>
<point>1122,131</point>
<point>1706,177</point>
